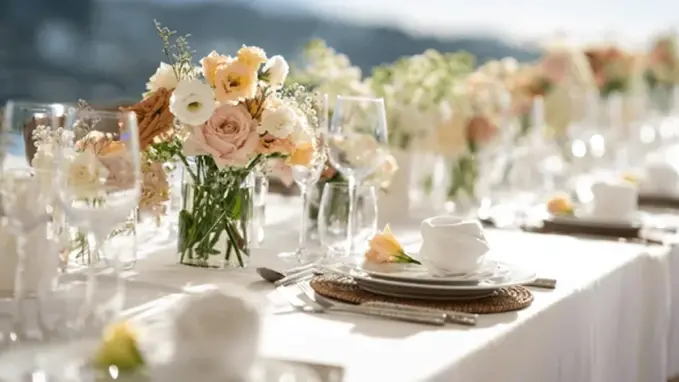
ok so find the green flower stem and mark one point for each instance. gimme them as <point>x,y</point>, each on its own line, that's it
<point>216,207</point>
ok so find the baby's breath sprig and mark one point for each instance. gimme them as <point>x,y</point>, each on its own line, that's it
<point>178,52</point>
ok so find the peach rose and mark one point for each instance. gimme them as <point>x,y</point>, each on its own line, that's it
<point>385,248</point>
<point>230,136</point>
<point>302,155</point>
<point>268,144</point>
<point>235,82</point>
<point>480,130</point>
<point>211,63</point>
<point>154,187</point>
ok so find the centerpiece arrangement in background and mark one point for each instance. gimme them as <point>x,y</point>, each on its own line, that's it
<point>662,72</point>
<point>221,120</point>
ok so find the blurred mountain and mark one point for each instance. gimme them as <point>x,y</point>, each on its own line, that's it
<point>110,52</point>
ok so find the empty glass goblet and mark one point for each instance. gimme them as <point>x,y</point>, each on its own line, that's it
<point>357,144</point>
<point>98,186</point>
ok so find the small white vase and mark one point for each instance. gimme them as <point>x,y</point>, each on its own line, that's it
<point>394,203</point>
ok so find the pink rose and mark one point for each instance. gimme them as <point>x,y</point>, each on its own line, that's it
<point>480,130</point>
<point>555,67</point>
<point>230,136</point>
<point>121,175</point>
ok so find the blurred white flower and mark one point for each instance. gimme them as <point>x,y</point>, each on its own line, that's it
<point>283,121</point>
<point>86,175</point>
<point>192,102</point>
<point>276,70</point>
<point>164,77</point>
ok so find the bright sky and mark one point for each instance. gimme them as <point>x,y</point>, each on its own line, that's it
<point>626,21</point>
<point>582,19</point>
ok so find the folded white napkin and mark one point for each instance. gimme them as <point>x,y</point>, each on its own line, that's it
<point>614,199</point>
<point>661,177</point>
<point>208,331</point>
<point>452,245</point>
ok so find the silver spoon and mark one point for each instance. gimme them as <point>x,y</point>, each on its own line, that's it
<point>272,275</point>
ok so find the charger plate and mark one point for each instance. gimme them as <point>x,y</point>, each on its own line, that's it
<point>345,289</point>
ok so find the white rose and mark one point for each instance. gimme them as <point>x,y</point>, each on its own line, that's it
<point>277,70</point>
<point>279,122</point>
<point>85,175</point>
<point>192,102</point>
<point>163,78</point>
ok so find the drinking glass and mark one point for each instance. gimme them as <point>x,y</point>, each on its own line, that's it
<point>306,176</point>
<point>260,193</point>
<point>98,187</point>
<point>333,217</point>
<point>357,145</point>
<point>27,196</point>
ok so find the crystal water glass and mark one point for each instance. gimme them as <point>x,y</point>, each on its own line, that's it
<point>333,217</point>
<point>27,195</point>
<point>357,146</point>
<point>98,187</point>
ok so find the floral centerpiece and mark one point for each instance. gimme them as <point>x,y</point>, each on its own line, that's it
<point>222,120</point>
<point>562,78</point>
<point>613,69</point>
<point>478,108</point>
<point>662,70</point>
<point>416,90</point>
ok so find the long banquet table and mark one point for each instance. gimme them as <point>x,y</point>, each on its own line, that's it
<point>607,320</point>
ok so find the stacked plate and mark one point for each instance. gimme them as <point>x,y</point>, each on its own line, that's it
<point>416,282</point>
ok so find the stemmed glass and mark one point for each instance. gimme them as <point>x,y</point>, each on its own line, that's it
<point>357,145</point>
<point>306,175</point>
<point>98,187</point>
<point>27,196</point>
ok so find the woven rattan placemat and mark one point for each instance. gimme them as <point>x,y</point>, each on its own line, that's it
<point>345,289</point>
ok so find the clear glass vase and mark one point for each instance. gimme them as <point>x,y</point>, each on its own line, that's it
<point>216,220</point>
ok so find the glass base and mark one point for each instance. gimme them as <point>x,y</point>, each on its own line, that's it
<point>301,257</point>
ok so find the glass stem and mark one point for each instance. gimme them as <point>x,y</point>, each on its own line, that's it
<point>301,241</point>
<point>351,184</point>
<point>87,308</point>
<point>20,284</point>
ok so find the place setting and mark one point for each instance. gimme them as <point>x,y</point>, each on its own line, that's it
<point>453,273</point>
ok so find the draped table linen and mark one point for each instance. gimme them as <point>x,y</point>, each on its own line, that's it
<point>607,320</point>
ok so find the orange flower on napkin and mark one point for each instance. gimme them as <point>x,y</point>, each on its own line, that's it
<point>560,204</point>
<point>384,248</point>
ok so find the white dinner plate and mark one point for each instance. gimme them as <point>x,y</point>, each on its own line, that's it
<point>417,273</point>
<point>515,276</point>
<point>585,219</point>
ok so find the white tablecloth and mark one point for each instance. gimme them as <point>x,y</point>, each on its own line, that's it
<point>607,320</point>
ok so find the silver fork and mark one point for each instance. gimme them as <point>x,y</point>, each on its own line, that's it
<point>454,317</point>
<point>319,304</point>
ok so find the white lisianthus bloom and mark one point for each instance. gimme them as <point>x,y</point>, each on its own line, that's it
<point>276,69</point>
<point>192,102</point>
<point>279,122</point>
<point>86,175</point>
<point>163,78</point>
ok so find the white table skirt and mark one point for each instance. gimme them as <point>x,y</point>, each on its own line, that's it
<point>606,321</point>
<point>673,345</point>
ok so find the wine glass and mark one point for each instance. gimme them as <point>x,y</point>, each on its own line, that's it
<point>98,187</point>
<point>357,141</point>
<point>306,174</point>
<point>27,196</point>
